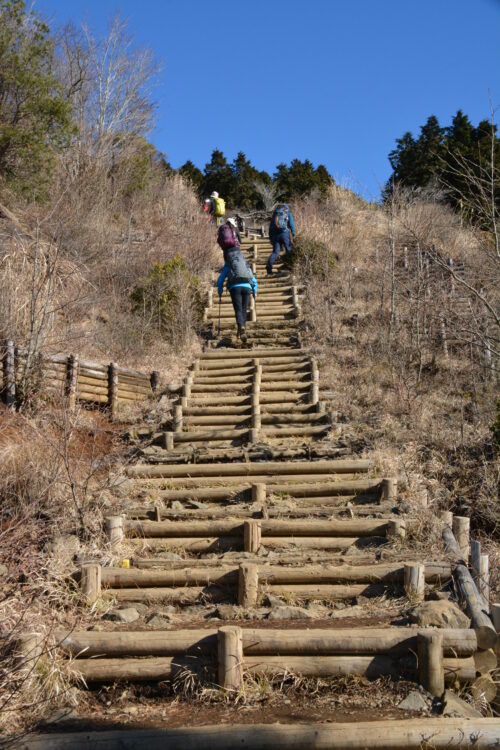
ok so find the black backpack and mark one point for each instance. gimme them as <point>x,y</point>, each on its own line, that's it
<point>239,271</point>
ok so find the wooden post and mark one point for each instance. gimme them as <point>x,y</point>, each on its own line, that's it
<point>230,658</point>
<point>484,577</point>
<point>256,418</point>
<point>9,374</point>
<point>210,299</point>
<point>255,252</point>
<point>430,662</point>
<point>314,389</point>
<point>495,616</point>
<point>113,390</point>
<point>447,518</point>
<point>248,585</point>
<point>389,490</point>
<point>396,530</point>
<point>154,380</point>
<point>90,579</point>
<point>259,493</point>
<point>114,530</point>
<point>157,513</point>
<point>168,441</point>
<point>72,380</point>
<point>178,421</point>
<point>475,560</point>
<point>461,528</point>
<point>251,535</point>
<point>414,581</point>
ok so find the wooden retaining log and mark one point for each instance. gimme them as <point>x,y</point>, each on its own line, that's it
<point>165,667</point>
<point>475,608</point>
<point>340,466</point>
<point>312,485</point>
<point>372,667</point>
<point>270,575</point>
<point>191,544</point>
<point>263,641</point>
<point>274,527</point>
<point>404,734</point>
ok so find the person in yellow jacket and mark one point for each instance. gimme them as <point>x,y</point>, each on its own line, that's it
<point>218,208</point>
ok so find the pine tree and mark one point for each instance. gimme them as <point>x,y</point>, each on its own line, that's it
<point>218,176</point>
<point>191,172</point>
<point>35,117</point>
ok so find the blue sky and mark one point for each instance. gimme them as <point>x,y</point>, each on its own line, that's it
<point>335,81</point>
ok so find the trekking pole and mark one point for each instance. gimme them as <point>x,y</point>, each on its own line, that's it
<point>254,307</point>
<point>220,303</point>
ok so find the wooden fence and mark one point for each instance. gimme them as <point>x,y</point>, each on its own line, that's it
<point>76,379</point>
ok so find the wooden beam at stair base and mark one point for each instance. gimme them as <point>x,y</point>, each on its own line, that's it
<point>404,734</point>
<point>164,668</point>
<point>262,642</point>
<point>340,466</point>
<point>313,485</point>
<point>299,528</point>
<point>269,575</point>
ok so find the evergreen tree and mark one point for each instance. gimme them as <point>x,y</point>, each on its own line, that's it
<point>244,178</point>
<point>301,178</point>
<point>35,117</point>
<point>458,157</point>
<point>218,176</point>
<point>192,173</point>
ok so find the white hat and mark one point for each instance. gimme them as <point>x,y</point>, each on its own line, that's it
<point>232,221</point>
<point>215,194</point>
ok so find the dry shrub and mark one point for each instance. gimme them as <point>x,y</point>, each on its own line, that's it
<point>55,469</point>
<point>407,349</point>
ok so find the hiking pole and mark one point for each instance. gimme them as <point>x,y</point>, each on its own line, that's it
<point>220,303</point>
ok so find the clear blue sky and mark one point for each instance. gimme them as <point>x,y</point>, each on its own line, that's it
<point>335,81</point>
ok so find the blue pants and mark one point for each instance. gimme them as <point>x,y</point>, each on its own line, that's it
<point>283,238</point>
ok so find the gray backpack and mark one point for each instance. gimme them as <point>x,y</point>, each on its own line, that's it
<point>239,270</point>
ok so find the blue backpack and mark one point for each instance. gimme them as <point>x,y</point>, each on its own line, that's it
<point>280,218</point>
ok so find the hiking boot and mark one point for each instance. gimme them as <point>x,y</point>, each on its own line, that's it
<point>269,270</point>
<point>238,332</point>
<point>243,334</point>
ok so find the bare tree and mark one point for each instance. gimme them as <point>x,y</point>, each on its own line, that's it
<point>268,193</point>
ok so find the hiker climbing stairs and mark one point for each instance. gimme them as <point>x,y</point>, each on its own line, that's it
<point>251,498</point>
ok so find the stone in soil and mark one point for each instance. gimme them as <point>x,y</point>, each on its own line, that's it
<point>129,614</point>
<point>66,546</point>
<point>456,707</point>
<point>3,570</point>
<point>415,701</point>
<point>440,614</point>
<point>229,612</point>
<point>287,612</point>
<point>141,608</point>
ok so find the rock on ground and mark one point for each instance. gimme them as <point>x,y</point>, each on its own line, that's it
<point>129,614</point>
<point>455,706</point>
<point>440,614</point>
<point>415,701</point>
<point>286,612</point>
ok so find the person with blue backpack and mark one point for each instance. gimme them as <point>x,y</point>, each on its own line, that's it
<point>240,282</point>
<point>280,227</point>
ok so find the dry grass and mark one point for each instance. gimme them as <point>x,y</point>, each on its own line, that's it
<point>426,411</point>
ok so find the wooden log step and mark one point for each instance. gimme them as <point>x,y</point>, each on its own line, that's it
<point>235,354</point>
<point>277,575</point>
<point>164,668</point>
<point>262,642</point>
<point>300,528</point>
<point>371,667</point>
<point>242,357</point>
<point>275,468</point>
<point>307,486</point>
<point>404,734</point>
